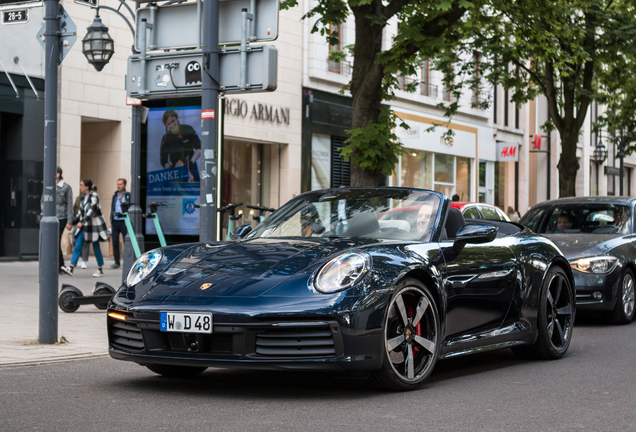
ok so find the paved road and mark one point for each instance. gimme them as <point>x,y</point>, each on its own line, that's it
<point>593,388</point>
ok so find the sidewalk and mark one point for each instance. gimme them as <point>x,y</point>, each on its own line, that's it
<point>83,333</point>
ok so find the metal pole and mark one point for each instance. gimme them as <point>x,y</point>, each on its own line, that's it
<point>134,212</point>
<point>243,74</point>
<point>597,168</point>
<point>621,154</point>
<point>209,125</point>
<point>49,240</point>
<point>549,158</point>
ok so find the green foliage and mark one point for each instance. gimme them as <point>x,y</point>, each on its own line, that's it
<point>375,147</point>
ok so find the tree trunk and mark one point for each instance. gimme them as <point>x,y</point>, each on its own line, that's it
<point>366,82</point>
<point>568,164</point>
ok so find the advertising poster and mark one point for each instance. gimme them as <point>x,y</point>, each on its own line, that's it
<point>174,154</point>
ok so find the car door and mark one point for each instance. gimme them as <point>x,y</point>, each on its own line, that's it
<point>479,284</point>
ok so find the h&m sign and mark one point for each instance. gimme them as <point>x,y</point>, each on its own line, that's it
<point>507,152</point>
<point>256,111</point>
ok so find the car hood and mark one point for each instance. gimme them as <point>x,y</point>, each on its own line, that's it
<point>584,245</point>
<point>248,268</point>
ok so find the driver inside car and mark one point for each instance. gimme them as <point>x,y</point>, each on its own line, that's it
<point>563,222</point>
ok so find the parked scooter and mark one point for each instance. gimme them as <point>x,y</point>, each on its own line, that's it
<point>230,209</point>
<point>71,297</point>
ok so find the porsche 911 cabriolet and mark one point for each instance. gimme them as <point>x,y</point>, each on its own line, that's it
<point>325,283</point>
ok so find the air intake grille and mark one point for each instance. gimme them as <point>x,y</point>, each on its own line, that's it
<point>126,335</point>
<point>296,342</point>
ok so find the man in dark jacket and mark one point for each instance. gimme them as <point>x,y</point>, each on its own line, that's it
<point>118,225</point>
<point>63,211</point>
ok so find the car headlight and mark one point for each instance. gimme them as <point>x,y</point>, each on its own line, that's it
<point>342,272</point>
<point>143,266</point>
<point>596,265</point>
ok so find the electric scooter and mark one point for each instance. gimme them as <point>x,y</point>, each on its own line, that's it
<point>153,215</point>
<point>71,297</point>
<point>230,208</point>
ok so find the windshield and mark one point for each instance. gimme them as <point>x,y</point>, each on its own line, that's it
<point>580,218</point>
<point>385,213</point>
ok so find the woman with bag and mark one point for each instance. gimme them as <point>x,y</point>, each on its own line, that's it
<point>90,226</point>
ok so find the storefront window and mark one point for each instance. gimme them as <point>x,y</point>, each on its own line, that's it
<point>462,182</point>
<point>440,172</point>
<point>482,173</point>
<point>416,169</point>
<point>444,173</point>
<point>243,175</point>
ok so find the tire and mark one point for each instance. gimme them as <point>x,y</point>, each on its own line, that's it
<point>555,318</point>
<point>65,300</point>
<point>410,337</point>
<point>623,312</point>
<point>102,291</point>
<point>172,371</point>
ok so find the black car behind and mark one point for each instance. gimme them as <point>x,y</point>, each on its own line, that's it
<point>596,235</point>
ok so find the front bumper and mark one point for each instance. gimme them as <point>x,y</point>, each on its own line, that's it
<point>341,341</point>
<point>590,286</point>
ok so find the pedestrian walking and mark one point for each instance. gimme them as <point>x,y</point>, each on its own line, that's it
<point>90,226</point>
<point>83,261</point>
<point>512,214</point>
<point>117,223</point>
<point>63,212</point>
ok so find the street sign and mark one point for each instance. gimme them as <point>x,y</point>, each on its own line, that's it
<point>179,25</point>
<point>68,31</point>
<point>89,3</point>
<point>15,16</point>
<point>178,73</point>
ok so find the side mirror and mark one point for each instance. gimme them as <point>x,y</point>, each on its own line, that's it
<point>474,233</point>
<point>240,232</point>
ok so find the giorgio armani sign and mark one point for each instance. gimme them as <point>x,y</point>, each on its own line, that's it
<point>256,111</point>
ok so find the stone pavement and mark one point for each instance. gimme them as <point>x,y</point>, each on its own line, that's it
<point>82,333</point>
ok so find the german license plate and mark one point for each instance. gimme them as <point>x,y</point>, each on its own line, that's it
<point>186,322</point>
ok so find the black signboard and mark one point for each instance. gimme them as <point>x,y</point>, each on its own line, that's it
<point>15,16</point>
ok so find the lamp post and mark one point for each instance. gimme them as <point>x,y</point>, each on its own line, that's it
<point>599,155</point>
<point>98,47</point>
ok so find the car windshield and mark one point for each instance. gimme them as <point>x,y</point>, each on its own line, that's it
<point>384,213</point>
<point>580,218</point>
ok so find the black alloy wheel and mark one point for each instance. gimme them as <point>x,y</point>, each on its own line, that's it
<point>623,312</point>
<point>172,371</point>
<point>411,338</point>
<point>555,318</point>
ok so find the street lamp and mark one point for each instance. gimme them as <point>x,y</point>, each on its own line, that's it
<point>97,45</point>
<point>599,155</point>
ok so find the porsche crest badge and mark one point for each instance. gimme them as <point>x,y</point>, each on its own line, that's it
<point>206,286</point>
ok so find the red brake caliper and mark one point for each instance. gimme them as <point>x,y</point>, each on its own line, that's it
<point>418,328</point>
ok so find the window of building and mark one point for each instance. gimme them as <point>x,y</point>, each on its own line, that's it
<point>426,79</point>
<point>335,31</point>
<point>426,170</point>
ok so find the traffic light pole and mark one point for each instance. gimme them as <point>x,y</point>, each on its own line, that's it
<point>49,234</point>
<point>209,121</point>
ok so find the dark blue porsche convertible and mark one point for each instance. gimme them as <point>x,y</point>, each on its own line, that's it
<point>326,284</point>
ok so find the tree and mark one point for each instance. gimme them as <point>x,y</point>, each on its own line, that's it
<point>426,27</point>
<point>562,49</point>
